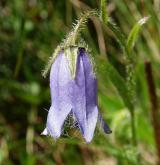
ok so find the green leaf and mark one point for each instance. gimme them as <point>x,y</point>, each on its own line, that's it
<point>133,35</point>
<point>116,79</point>
<point>120,85</point>
<point>120,37</point>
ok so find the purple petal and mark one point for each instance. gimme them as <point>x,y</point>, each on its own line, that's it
<point>78,95</point>
<point>60,81</point>
<point>84,97</point>
<point>92,86</point>
<point>105,126</point>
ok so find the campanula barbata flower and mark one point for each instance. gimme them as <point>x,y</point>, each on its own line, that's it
<point>73,88</point>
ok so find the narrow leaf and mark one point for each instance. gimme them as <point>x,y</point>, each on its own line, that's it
<point>120,37</point>
<point>117,80</point>
<point>134,33</point>
<point>120,84</point>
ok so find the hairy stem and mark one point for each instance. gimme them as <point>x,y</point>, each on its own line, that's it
<point>73,35</point>
<point>71,38</point>
<point>129,70</point>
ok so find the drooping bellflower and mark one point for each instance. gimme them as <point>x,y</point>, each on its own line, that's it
<point>73,87</point>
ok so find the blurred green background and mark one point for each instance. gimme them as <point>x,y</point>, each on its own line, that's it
<point>29,32</point>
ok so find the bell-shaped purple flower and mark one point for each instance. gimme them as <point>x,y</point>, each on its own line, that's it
<point>73,94</point>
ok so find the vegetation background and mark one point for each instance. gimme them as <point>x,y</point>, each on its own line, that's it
<point>29,32</point>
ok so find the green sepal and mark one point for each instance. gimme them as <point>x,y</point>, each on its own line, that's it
<point>71,54</point>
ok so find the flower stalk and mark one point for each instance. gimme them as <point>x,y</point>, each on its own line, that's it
<point>72,38</point>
